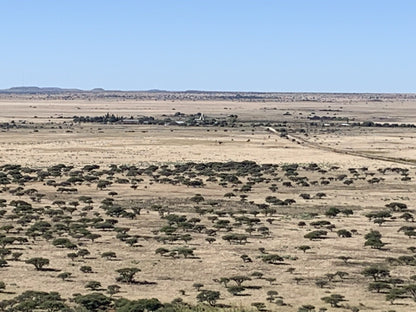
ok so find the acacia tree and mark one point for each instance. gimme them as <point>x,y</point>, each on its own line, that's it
<point>272,259</point>
<point>333,299</point>
<point>373,239</point>
<point>38,262</point>
<point>394,294</point>
<point>304,248</point>
<point>93,285</point>
<point>411,289</point>
<point>197,198</point>
<point>271,295</point>
<point>239,279</point>
<point>109,255</point>
<point>235,290</point>
<point>64,275</point>
<point>379,286</point>
<point>127,275</point>
<point>94,301</point>
<point>86,269</point>
<point>319,234</point>
<point>376,272</point>
<point>113,289</point>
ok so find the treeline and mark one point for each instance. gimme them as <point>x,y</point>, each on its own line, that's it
<point>384,125</point>
<point>324,118</point>
<point>107,118</point>
<point>95,302</point>
<point>178,119</point>
<point>360,124</point>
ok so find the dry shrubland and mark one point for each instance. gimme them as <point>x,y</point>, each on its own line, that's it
<point>264,202</point>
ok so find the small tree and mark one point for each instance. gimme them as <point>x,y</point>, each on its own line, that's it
<point>102,184</point>
<point>260,306</point>
<point>113,289</point>
<point>4,252</point>
<point>3,263</point>
<point>131,241</point>
<point>411,290</point>
<point>378,286</point>
<point>93,285</point>
<point>64,275</point>
<point>395,293</point>
<point>38,262</point>
<point>271,295</point>
<point>127,275</point>
<point>257,275</point>
<point>291,270</point>
<point>239,279</point>
<point>94,302</point>
<point>224,280</point>
<point>379,221</point>
<point>306,308</point>
<point>16,255</point>
<point>235,290</point>
<point>85,269</point>
<point>161,251</point>
<point>209,296</point>
<point>304,248</point>
<point>83,252</point>
<point>270,280</point>
<point>272,259</point>
<point>184,251</point>
<point>332,212</point>
<point>197,198</point>
<point>321,283</point>
<point>210,240</point>
<point>344,233</point>
<point>333,299</point>
<point>376,272</point>
<point>246,258</point>
<point>109,255</point>
<point>93,236</point>
<point>374,242</point>
<point>319,234</point>
<point>72,255</point>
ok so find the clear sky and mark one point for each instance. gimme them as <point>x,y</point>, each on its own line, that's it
<point>233,45</point>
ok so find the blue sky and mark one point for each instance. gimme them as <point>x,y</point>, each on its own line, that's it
<point>233,45</point>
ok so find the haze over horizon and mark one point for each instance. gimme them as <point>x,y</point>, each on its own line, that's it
<point>265,46</point>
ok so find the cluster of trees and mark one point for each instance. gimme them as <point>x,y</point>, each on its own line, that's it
<point>107,118</point>
<point>177,119</point>
<point>96,302</point>
<point>71,221</point>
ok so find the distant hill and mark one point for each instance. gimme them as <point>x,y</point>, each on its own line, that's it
<point>54,90</point>
<point>37,90</point>
<point>205,94</point>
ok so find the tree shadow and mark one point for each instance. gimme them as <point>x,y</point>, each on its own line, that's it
<point>143,283</point>
<point>253,287</point>
<point>49,270</point>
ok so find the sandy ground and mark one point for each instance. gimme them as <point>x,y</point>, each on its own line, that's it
<point>144,144</point>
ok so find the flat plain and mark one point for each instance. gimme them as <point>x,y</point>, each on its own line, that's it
<point>216,189</point>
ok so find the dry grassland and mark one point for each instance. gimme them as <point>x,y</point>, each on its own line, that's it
<point>49,137</point>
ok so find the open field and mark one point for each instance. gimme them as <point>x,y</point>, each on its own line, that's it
<point>201,199</point>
